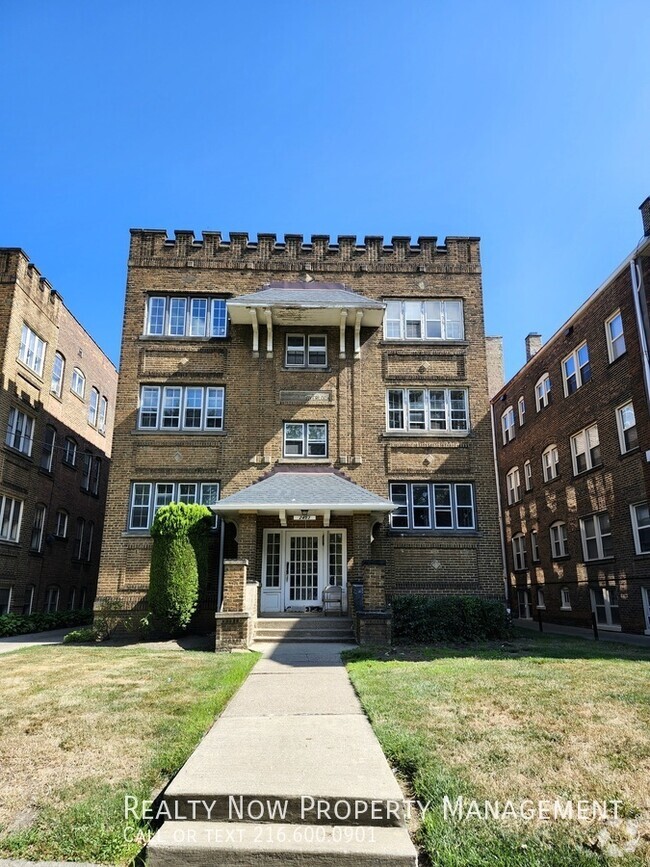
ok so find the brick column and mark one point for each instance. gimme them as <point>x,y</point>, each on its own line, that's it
<point>232,622</point>
<point>374,623</point>
<point>361,530</point>
<point>247,543</point>
<point>374,584</point>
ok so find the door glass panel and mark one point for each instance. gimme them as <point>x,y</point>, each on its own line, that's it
<point>336,558</point>
<point>272,578</point>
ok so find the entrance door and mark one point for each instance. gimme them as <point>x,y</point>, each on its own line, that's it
<point>604,602</point>
<point>303,559</point>
<point>296,567</point>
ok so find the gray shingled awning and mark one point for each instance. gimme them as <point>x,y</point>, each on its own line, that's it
<point>307,303</point>
<point>316,493</point>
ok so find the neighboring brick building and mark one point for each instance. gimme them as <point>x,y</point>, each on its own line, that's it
<point>57,400</point>
<point>573,440</point>
<point>298,388</point>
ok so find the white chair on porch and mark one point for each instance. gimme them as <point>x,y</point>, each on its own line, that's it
<point>333,598</point>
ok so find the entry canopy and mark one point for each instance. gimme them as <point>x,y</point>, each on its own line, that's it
<point>303,493</point>
<point>306,303</point>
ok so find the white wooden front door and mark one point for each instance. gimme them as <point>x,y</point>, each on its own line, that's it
<point>297,566</point>
<point>302,570</point>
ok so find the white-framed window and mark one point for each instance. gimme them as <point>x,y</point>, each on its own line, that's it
<point>576,369</point>
<point>32,350</point>
<point>550,462</point>
<point>565,599</point>
<point>305,350</point>
<point>78,549</point>
<point>93,407</point>
<point>422,506</point>
<point>626,425</point>
<point>103,415</point>
<point>508,425</point>
<point>5,599</point>
<point>30,596</point>
<point>528,475</point>
<point>70,452</point>
<point>542,392</point>
<point>78,383</point>
<point>20,431</point>
<point>434,409</point>
<point>96,476</point>
<point>540,598</point>
<point>58,370</point>
<point>559,540</point>
<point>534,547</point>
<point>71,598</point>
<point>86,470</point>
<point>604,604</point>
<point>183,316</point>
<point>519,555</point>
<point>11,513</point>
<point>36,541</point>
<point>61,529</point>
<point>596,534</point>
<point>87,551</point>
<point>176,407</point>
<point>47,450</point>
<point>615,336</point>
<point>424,320</point>
<point>147,497</point>
<point>524,604</point>
<point>521,409</point>
<point>52,599</point>
<point>305,439</point>
<point>640,514</point>
<point>513,485</point>
<point>585,449</point>
<point>645,597</point>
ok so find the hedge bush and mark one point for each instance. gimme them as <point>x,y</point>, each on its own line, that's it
<point>423,619</point>
<point>83,635</point>
<point>40,621</point>
<point>179,531</point>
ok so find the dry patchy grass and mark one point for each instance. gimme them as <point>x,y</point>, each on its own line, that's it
<point>84,722</point>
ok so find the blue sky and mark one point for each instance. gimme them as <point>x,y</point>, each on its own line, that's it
<point>525,123</point>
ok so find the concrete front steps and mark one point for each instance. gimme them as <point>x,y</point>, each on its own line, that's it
<point>306,627</point>
<point>241,844</point>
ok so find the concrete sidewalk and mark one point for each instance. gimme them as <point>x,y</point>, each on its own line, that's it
<point>33,639</point>
<point>579,632</point>
<point>291,773</point>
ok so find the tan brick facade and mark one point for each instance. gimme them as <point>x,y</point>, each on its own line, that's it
<point>617,480</point>
<point>349,395</point>
<point>33,468</point>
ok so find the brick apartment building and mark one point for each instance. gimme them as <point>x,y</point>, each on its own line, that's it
<point>57,400</point>
<point>328,400</point>
<point>573,444</point>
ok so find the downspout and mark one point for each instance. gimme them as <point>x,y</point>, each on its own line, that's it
<point>637,284</point>
<point>502,537</point>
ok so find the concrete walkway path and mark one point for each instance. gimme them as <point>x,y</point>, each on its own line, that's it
<point>32,639</point>
<point>291,773</point>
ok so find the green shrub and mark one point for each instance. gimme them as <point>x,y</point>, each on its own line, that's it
<point>42,621</point>
<point>423,619</point>
<point>178,530</point>
<point>86,633</point>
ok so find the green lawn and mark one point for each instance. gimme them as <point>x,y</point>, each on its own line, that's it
<point>84,726</point>
<point>535,718</point>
